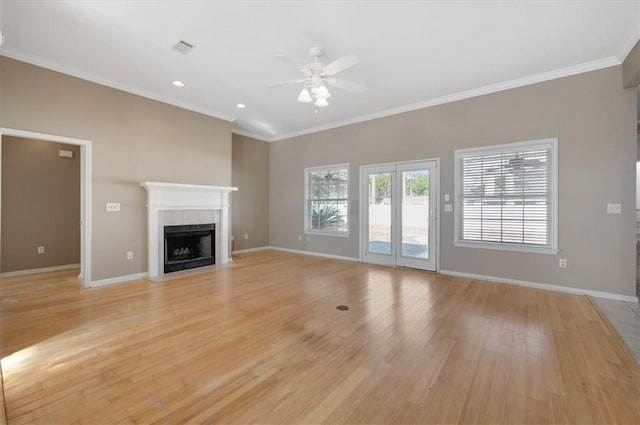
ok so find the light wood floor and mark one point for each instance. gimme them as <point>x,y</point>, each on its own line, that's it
<point>262,342</point>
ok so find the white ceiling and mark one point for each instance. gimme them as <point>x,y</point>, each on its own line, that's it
<point>413,54</point>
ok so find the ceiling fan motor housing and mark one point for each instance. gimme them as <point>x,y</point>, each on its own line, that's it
<point>316,52</point>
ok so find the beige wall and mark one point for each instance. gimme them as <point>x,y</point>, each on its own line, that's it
<point>631,68</point>
<point>40,205</point>
<point>595,122</point>
<point>250,204</point>
<point>134,139</point>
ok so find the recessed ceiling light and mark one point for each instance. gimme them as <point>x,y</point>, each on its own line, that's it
<point>241,106</point>
<point>177,83</point>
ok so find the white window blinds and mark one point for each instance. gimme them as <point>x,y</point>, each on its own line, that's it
<point>326,199</point>
<point>505,194</point>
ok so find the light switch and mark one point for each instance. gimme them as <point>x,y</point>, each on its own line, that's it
<point>613,209</point>
<point>113,206</point>
<point>448,207</point>
<point>446,197</point>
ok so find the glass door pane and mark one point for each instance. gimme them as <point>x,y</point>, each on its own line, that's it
<point>416,243</point>
<point>415,214</point>
<point>398,214</point>
<point>380,213</point>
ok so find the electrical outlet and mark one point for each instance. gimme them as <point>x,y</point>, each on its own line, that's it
<point>129,255</point>
<point>246,236</point>
<point>299,237</point>
<point>40,250</point>
<point>448,207</point>
<point>562,263</point>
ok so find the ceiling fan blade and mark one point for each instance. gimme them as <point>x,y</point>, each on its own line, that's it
<point>283,83</point>
<point>288,61</point>
<point>346,85</point>
<point>340,64</point>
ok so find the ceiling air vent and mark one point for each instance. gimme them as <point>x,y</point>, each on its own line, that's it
<point>183,47</point>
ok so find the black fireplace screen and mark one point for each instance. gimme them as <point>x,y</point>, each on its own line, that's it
<point>189,246</point>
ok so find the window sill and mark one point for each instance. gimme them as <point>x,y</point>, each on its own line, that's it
<point>507,247</point>
<point>321,233</point>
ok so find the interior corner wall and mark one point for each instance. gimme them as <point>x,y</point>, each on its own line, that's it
<point>592,116</point>
<point>40,205</point>
<point>250,204</point>
<point>134,139</point>
<point>631,68</point>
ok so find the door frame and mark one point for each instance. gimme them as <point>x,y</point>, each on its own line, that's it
<point>363,210</point>
<point>85,190</point>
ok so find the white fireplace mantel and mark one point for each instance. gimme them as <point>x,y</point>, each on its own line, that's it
<point>165,197</point>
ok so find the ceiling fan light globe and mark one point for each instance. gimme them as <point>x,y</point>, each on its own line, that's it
<point>321,102</point>
<point>304,96</point>
<point>322,92</point>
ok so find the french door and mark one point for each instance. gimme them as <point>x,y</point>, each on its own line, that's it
<point>399,211</point>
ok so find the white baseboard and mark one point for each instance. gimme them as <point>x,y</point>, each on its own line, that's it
<point>315,254</point>
<point>41,270</point>
<point>548,286</point>
<point>241,251</point>
<point>118,279</point>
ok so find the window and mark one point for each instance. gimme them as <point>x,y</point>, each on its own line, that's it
<point>327,200</point>
<point>507,196</point>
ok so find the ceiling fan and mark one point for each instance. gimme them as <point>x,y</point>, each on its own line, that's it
<point>317,76</point>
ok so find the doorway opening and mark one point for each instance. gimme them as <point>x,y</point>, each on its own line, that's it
<point>399,214</point>
<point>85,190</point>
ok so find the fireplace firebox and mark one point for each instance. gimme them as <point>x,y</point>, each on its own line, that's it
<point>189,246</point>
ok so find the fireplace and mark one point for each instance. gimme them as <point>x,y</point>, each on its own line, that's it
<point>188,246</point>
<point>176,204</point>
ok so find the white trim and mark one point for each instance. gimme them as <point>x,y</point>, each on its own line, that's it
<point>505,246</point>
<point>163,196</point>
<point>546,286</point>
<point>307,170</point>
<point>183,186</point>
<point>85,191</point>
<point>438,214</point>
<point>113,84</point>
<point>551,143</point>
<point>390,168</point>
<point>480,91</point>
<point>362,242</point>
<point>249,134</point>
<point>328,233</point>
<point>242,251</point>
<point>118,279</point>
<point>40,270</point>
<point>315,254</point>
<point>41,136</point>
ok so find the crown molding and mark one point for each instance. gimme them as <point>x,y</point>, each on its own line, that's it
<point>250,134</point>
<point>4,51</point>
<point>492,88</point>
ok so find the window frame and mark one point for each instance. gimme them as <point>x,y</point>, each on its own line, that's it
<point>552,144</point>
<point>307,228</point>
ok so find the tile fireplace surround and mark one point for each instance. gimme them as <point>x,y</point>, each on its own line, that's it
<point>170,204</point>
